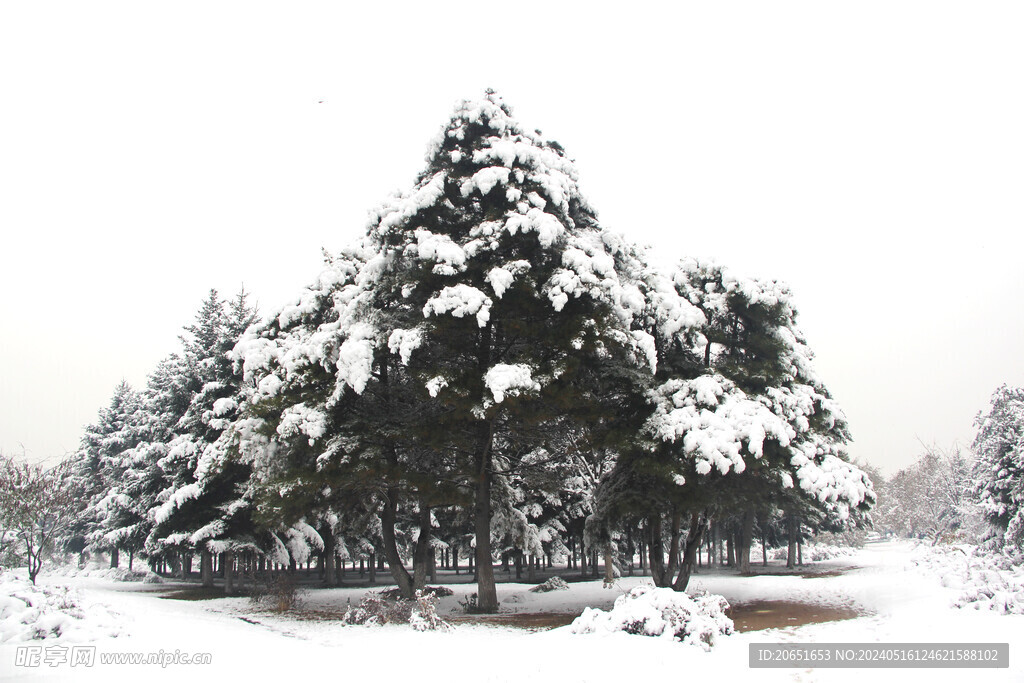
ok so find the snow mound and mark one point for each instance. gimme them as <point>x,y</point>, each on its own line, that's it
<point>29,612</point>
<point>661,613</point>
<point>555,583</point>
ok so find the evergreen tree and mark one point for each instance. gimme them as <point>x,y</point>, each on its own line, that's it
<point>97,473</point>
<point>484,314</point>
<point>327,422</point>
<point>201,400</point>
<point>739,419</point>
<point>511,298</point>
<point>999,471</point>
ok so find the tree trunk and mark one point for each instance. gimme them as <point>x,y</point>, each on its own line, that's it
<point>387,526</point>
<point>422,551</point>
<point>206,567</point>
<point>745,541</point>
<point>327,556</point>
<point>228,560</point>
<point>656,551</point>
<point>609,565</point>
<point>673,546</point>
<point>455,558</point>
<point>373,569</point>
<point>487,591</point>
<point>583,558</point>
<point>114,558</point>
<point>243,563</point>
<point>792,529</point>
<point>694,539</point>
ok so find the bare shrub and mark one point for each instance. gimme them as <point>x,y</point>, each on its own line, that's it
<point>277,591</point>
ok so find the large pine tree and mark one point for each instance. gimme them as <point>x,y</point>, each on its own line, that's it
<point>485,313</point>
<point>509,297</point>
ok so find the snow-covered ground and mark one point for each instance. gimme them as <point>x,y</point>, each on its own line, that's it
<point>901,599</point>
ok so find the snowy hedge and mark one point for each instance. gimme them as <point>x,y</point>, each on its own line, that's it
<point>662,613</point>
<point>29,612</point>
<point>114,574</point>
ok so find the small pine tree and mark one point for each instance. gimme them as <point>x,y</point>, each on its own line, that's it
<point>999,471</point>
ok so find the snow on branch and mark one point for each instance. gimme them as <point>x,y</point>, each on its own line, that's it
<point>509,380</point>
<point>459,301</point>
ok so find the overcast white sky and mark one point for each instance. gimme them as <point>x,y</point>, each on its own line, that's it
<point>870,154</point>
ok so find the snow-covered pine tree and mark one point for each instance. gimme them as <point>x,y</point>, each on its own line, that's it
<point>739,418</point>
<point>160,406</point>
<point>97,472</point>
<point>329,424</point>
<point>513,299</point>
<point>188,515</point>
<point>999,470</point>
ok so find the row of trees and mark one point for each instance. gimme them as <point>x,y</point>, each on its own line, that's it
<point>488,371</point>
<point>932,498</point>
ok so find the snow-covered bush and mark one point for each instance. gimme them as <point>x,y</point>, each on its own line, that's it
<point>817,552</point>
<point>424,614</point>
<point>986,580</point>
<point>376,610</point>
<point>555,583</point>
<point>662,613</point>
<point>29,612</point>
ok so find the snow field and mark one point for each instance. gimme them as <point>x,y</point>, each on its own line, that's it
<point>902,601</point>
